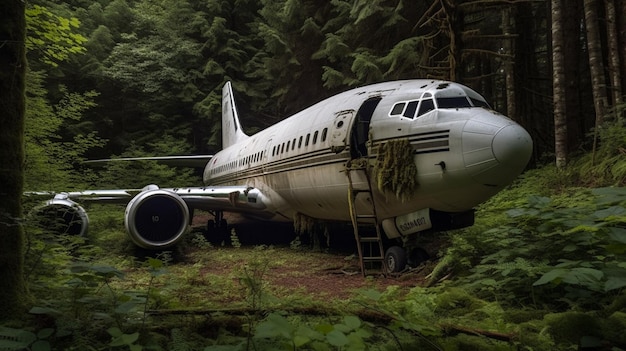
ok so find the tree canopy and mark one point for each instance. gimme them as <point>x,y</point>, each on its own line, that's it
<point>153,70</point>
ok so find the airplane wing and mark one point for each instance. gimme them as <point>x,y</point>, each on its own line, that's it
<point>155,218</point>
<point>195,161</point>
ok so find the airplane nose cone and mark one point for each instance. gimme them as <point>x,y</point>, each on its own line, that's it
<point>495,151</point>
<point>512,146</point>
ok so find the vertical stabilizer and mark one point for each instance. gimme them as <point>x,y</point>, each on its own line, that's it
<point>231,128</point>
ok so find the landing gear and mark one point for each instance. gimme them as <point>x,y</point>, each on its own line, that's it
<point>217,230</point>
<point>397,258</point>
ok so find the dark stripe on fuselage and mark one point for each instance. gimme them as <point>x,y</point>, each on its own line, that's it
<point>422,143</point>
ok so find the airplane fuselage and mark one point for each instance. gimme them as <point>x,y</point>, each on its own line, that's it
<point>464,152</point>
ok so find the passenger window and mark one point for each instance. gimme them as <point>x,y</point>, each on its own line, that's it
<point>288,144</point>
<point>293,144</point>
<point>315,137</point>
<point>324,133</point>
<point>410,109</point>
<point>300,142</point>
<point>426,106</point>
<point>397,109</point>
<point>306,142</point>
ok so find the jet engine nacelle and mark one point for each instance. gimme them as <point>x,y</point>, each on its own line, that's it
<point>156,218</point>
<point>62,215</point>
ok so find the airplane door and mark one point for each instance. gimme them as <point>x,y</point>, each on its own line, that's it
<point>359,134</point>
<point>340,130</point>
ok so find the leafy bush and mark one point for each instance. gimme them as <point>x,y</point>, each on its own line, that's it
<point>555,252</point>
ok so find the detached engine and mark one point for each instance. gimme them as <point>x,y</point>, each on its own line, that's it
<point>62,215</point>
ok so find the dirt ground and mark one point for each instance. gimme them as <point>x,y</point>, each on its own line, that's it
<point>330,273</point>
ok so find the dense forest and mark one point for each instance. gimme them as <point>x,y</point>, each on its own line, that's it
<point>543,267</point>
<point>144,77</point>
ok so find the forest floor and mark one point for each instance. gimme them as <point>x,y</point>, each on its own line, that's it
<point>223,274</point>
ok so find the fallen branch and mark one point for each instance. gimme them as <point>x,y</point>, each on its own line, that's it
<point>365,315</point>
<point>452,330</point>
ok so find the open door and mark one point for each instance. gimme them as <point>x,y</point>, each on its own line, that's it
<point>360,131</point>
<point>339,132</point>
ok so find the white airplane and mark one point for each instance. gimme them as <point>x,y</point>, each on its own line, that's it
<point>327,162</point>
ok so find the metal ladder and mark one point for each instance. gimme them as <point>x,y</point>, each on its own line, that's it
<point>369,246</point>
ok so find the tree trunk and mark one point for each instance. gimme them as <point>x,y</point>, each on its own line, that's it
<point>12,72</point>
<point>594,47</point>
<point>454,18</point>
<point>558,86</point>
<point>614,59</point>
<point>572,79</point>
<point>509,64</point>
<point>621,37</point>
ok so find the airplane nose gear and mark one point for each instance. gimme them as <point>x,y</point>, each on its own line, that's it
<point>396,259</point>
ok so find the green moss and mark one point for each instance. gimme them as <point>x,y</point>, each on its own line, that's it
<point>474,343</point>
<point>614,328</point>
<point>457,302</point>
<point>569,327</point>
<point>521,316</point>
<point>395,169</point>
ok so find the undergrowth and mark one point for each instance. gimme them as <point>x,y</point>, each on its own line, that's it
<point>543,268</point>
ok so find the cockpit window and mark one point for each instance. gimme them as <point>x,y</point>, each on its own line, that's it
<point>480,103</point>
<point>453,102</point>
<point>426,106</point>
<point>410,109</point>
<point>397,109</point>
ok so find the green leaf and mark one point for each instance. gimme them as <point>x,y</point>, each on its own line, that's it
<point>126,307</point>
<point>613,283</point>
<point>352,322</point>
<point>274,325</point>
<point>45,333</point>
<point>337,338</point>
<point>618,234</point>
<point>44,310</point>
<point>115,332</point>
<point>324,328</point>
<point>553,276</point>
<point>300,340</point>
<point>124,339</point>
<point>610,212</point>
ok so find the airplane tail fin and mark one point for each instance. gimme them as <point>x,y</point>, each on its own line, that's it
<point>231,128</point>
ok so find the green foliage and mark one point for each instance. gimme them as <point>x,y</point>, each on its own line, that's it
<point>52,38</point>
<point>607,166</point>
<point>550,251</point>
<point>50,160</point>
<point>20,339</point>
<point>119,175</point>
<point>348,334</point>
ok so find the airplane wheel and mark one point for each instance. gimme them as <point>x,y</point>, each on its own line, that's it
<point>215,234</point>
<point>395,257</point>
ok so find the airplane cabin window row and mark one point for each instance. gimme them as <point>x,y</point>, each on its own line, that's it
<point>302,141</point>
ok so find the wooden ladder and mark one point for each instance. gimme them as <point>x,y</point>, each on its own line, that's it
<point>369,246</point>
